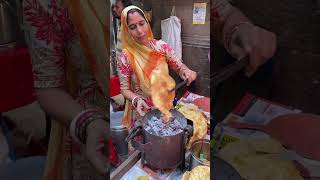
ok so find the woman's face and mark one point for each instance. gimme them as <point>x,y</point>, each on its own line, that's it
<point>138,28</point>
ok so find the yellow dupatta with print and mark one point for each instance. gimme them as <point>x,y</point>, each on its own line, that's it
<point>91,21</point>
<point>143,61</point>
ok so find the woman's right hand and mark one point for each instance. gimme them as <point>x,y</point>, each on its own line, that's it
<point>97,138</point>
<point>188,75</point>
<point>254,41</point>
<point>141,106</point>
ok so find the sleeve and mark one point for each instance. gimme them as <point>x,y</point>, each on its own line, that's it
<point>47,54</point>
<point>172,59</point>
<point>220,10</point>
<point>124,71</point>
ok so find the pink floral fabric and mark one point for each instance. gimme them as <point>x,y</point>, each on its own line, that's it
<point>50,37</point>
<point>48,29</point>
<point>219,9</point>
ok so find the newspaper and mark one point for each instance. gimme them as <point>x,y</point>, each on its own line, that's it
<point>188,98</point>
<point>255,110</point>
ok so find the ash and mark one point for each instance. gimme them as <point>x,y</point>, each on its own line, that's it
<point>156,127</point>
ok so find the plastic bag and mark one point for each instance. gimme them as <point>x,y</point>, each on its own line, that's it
<point>171,32</point>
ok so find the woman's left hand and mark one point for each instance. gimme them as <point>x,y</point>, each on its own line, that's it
<point>188,75</point>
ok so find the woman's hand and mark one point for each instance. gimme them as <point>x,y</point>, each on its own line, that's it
<point>141,106</point>
<point>96,145</point>
<point>254,41</point>
<point>188,75</point>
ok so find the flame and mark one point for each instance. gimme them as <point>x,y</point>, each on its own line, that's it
<point>161,83</point>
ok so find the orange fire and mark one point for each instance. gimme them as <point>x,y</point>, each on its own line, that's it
<point>161,84</point>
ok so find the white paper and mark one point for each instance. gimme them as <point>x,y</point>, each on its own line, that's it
<point>199,13</point>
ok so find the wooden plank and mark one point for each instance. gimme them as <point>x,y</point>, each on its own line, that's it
<point>126,165</point>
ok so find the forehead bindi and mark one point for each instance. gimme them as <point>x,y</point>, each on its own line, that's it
<point>134,18</point>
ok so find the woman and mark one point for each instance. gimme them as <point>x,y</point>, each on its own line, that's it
<point>140,54</point>
<point>70,71</point>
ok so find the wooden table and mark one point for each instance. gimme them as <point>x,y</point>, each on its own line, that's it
<point>126,165</point>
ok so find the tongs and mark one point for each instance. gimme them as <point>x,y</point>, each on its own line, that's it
<point>228,71</point>
<point>179,85</point>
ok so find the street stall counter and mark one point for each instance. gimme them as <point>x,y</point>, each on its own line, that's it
<point>133,168</point>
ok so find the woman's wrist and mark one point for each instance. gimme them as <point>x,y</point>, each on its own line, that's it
<point>80,123</point>
<point>182,69</point>
<point>135,100</point>
<point>234,18</point>
<point>231,30</point>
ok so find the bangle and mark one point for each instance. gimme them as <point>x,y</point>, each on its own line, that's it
<point>79,124</point>
<point>228,35</point>
<point>133,102</point>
